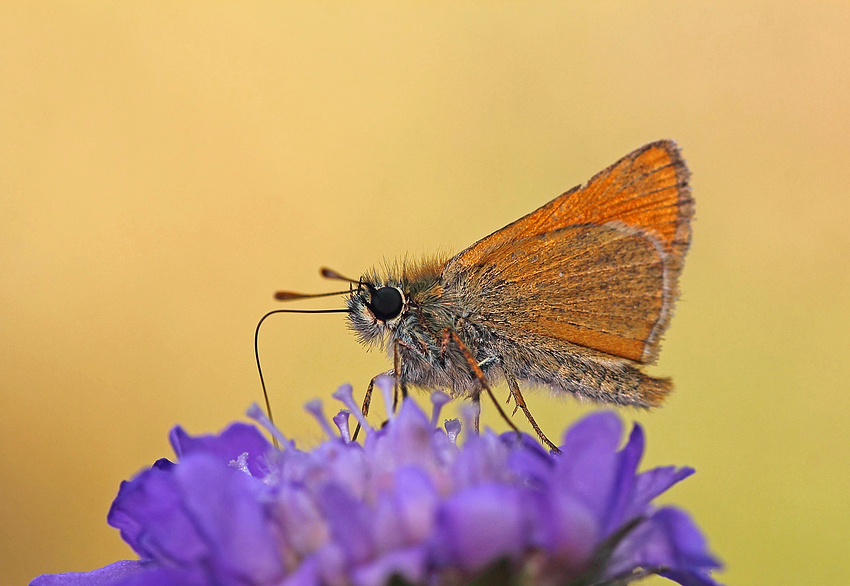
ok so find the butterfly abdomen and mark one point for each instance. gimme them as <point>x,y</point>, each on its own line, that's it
<point>582,372</point>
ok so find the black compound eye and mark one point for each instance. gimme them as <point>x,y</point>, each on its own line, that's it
<point>386,303</point>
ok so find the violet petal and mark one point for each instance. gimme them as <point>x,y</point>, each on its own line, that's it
<point>349,522</point>
<point>410,564</point>
<point>652,483</point>
<point>111,575</point>
<point>589,461</point>
<point>149,513</point>
<point>624,483</point>
<point>479,525</point>
<point>228,445</point>
<point>224,505</point>
<point>668,539</point>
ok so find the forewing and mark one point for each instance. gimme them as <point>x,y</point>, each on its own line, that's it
<point>602,287</point>
<point>598,266</point>
<point>647,189</point>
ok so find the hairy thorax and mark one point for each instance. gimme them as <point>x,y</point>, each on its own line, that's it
<point>430,307</point>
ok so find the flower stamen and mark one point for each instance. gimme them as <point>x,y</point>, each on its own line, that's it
<point>341,421</point>
<point>315,409</point>
<point>345,395</point>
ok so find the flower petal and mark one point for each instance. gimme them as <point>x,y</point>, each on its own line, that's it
<point>307,574</point>
<point>405,515</point>
<point>231,443</point>
<point>528,460</point>
<point>622,493</point>
<point>482,460</point>
<point>110,575</point>
<point>667,540</point>
<point>225,507</point>
<point>149,513</point>
<point>588,464</point>
<point>349,522</point>
<point>569,530</point>
<point>410,564</point>
<point>479,525</point>
<point>652,483</point>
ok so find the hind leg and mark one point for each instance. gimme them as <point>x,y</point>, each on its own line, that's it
<point>520,402</point>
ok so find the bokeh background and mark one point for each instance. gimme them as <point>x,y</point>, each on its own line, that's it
<point>164,167</point>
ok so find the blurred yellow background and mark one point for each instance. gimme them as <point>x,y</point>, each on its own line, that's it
<point>164,167</point>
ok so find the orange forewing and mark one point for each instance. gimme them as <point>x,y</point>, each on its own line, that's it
<point>597,266</point>
<point>595,286</point>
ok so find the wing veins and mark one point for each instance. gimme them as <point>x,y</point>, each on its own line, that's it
<point>602,331</point>
<point>618,235</point>
<point>526,275</point>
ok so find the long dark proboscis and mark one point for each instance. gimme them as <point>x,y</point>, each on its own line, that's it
<point>285,296</point>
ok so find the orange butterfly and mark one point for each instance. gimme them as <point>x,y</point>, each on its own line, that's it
<point>575,296</point>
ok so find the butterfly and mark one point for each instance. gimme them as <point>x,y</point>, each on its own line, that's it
<point>574,296</point>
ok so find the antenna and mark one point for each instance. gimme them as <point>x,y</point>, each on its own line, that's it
<point>290,295</point>
<point>332,274</point>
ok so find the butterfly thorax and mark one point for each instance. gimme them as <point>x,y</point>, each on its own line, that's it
<point>428,309</point>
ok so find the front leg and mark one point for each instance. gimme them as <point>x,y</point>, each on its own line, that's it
<point>399,381</point>
<point>395,372</point>
<point>367,400</point>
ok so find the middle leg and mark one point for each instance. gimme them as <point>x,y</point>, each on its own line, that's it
<point>367,400</point>
<point>450,334</point>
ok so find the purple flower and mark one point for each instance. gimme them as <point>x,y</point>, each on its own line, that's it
<point>408,503</point>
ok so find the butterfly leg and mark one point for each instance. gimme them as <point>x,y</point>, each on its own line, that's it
<point>476,406</point>
<point>520,402</point>
<point>367,400</point>
<point>450,334</point>
<point>399,382</point>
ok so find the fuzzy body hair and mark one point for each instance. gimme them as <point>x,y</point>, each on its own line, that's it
<point>574,296</point>
<point>434,302</point>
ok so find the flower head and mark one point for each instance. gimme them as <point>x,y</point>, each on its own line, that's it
<point>409,503</point>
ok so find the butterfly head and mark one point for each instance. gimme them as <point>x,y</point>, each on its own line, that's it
<point>375,310</point>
